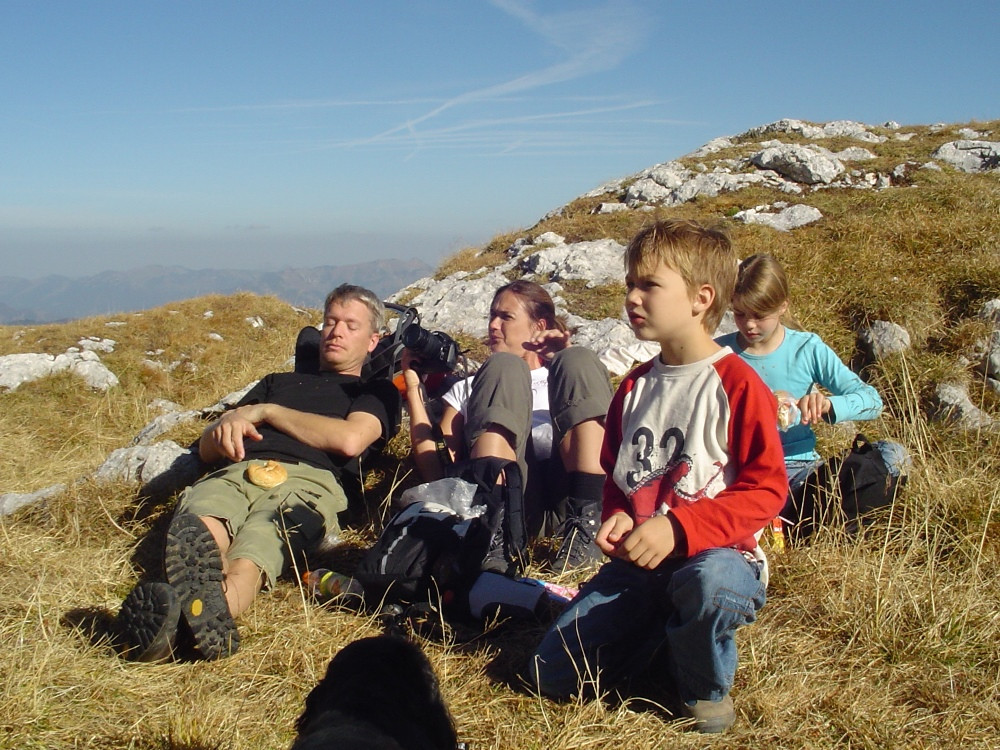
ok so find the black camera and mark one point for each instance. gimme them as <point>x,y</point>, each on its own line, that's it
<point>434,351</point>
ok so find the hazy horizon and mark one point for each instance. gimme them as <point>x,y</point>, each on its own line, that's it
<point>229,134</point>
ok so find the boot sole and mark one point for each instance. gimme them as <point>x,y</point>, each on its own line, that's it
<point>194,568</point>
<point>147,622</point>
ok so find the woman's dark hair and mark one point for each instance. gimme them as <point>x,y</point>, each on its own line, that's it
<point>537,302</point>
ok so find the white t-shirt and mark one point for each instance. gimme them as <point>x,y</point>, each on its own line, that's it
<point>541,422</point>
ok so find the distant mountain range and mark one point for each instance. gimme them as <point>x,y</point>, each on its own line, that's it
<point>59,298</point>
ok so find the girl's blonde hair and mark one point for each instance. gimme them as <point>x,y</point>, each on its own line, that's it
<point>762,287</point>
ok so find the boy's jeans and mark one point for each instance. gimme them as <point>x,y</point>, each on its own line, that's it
<point>685,613</point>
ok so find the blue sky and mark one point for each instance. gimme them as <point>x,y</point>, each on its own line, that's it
<point>296,133</point>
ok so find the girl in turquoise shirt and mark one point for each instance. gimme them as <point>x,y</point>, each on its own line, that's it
<point>797,365</point>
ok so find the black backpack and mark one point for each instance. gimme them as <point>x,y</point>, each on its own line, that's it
<point>428,553</point>
<point>847,490</point>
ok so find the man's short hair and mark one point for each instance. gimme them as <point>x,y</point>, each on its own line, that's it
<point>700,254</point>
<point>347,292</point>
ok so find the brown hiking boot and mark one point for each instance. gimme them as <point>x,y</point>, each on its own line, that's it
<point>711,717</point>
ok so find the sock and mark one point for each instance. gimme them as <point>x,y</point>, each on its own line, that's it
<point>584,489</point>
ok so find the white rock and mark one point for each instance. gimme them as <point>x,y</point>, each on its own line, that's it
<point>11,502</point>
<point>17,369</point>
<point>716,144</point>
<point>597,261</point>
<point>970,156</point>
<point>991,359</point>
<point>647,190</point>
<point>144,463</point>
<point>854,153</point>
<point>94,374</point>
<point>164,406</point>
<point>613,186</point>
<point>955,407</point>
<point>609,208</point>
<point>161,424</point>
<point>783,220</point>
<point>991,311</point>
<point>799,163</point>
<point>549,238</point>
<point>226,402</point>
<point>94,344</point>
<point>883,338</point>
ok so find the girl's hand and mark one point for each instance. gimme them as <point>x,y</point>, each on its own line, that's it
<point>814,406</point>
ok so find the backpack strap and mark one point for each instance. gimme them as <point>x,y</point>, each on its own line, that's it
<point>500,543</point>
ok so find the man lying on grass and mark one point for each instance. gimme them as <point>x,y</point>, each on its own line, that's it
<point>286,445</point>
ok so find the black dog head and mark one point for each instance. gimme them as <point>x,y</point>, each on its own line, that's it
<point>378,692</point>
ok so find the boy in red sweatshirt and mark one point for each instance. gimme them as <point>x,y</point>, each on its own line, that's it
<point>695,471</point>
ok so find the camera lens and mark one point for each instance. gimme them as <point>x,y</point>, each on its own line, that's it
<point>414,337</point>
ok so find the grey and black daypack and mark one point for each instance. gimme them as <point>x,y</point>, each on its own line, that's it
<point>429,552</point>
<point>847,489</point>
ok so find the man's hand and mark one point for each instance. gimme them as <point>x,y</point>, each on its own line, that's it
<point>226,436</point>
<point>611,533</point>
<point>650,543</point>
<point>547,343</point>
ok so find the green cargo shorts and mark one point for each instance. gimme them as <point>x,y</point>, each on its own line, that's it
<point>269,527</point>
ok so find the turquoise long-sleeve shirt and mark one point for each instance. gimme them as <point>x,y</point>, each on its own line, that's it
<point>801,361</point>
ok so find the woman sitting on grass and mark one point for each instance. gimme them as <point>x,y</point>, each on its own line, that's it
<point>536,400</point>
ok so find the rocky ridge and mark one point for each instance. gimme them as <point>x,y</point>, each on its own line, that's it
<point>459,302</point>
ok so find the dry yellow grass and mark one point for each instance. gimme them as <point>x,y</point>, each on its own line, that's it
<point>889,640</point>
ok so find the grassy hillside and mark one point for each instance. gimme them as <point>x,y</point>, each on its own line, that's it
<point>889,640</point>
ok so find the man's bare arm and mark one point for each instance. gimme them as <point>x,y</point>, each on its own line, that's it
<point>347,437</point>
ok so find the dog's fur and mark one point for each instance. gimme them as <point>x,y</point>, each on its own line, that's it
<point>379,693</point>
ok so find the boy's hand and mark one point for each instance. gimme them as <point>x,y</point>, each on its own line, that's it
<point>611,533</point>
<point>649,544</point>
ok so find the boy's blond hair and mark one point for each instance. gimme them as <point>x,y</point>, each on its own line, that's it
<point>700,254</point>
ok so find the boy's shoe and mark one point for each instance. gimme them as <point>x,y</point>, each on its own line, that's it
<point>578,548</point>
<point>194,568</point>
<point>711,717</point>
<point>146,625</point>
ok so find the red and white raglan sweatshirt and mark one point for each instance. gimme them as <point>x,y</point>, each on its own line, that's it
<point>700,440</point>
